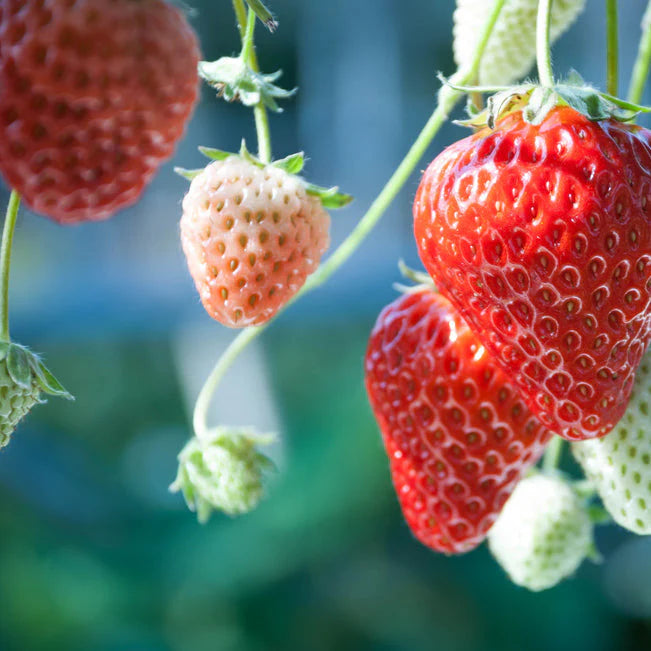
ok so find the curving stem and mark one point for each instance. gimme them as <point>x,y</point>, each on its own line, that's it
<point>612,48</point>
<point>641,67</point>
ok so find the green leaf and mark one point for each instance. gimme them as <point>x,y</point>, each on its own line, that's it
<point>48,383</point>
<point>330,197</point>
<point>18,366</point>
<point>263,14</point>
<point>187,174</point>
<point>215,154</point>
<point>291,164</point>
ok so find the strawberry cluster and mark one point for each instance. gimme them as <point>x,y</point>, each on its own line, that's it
<point>537,233</point>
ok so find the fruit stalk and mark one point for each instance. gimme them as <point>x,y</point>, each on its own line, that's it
<point>5,262</point>
<point>543,50</point>
<point>553,454</point>
<point>612,48</point>
<point>447,99</point>
<point>641,67</point>
<point>246,24</point>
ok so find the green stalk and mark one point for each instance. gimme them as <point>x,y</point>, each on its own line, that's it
<point>553,454</point>
<point>612,48</point>
<point>5,262</point>
<point>448,98</point>
<point>543,49</point>
<point>641,67</point>
<point>246,23</point>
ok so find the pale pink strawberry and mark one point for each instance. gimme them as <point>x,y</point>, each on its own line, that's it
<point>251,235</point>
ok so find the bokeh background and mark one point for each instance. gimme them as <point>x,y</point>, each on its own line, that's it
<point>95,553</point>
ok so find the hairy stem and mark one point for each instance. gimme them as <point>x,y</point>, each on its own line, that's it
<point>447,99</point>
<point>543,49</point>
<point>612,48</point>
<point>641,67</point>
<point>5,261</point>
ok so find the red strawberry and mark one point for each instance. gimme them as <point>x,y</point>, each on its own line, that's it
<point>251,235</point>
<point>93,97</point>
<point>541,238</point>
<point>457,434</point>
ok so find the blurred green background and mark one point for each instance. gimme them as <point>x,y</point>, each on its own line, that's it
<point>94,551</point>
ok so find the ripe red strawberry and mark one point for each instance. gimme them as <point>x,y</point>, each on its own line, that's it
<point>541,238</point>
<point>251,235</point>
<point>457,434</point>
<point>93,97</point>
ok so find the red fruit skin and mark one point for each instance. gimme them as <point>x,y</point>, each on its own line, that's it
<point>457,434</point>
<point>94,96</point>
<point>540,236</point>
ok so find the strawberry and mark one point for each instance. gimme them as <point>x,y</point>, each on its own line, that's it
<point>251,234</point>
<point>95,95</point>
<point>511,48</point>
<point>223,470</point>
<point>457,434</point>
<point>540,235</point>
<point>23,377</point>
<point>619,465</point>
<point>543,533</point>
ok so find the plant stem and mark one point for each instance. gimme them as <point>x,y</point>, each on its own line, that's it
<point>447,99</point>
<point>641,67</point>
<point>199,420</point>
<point>553,453</point>
<point>240,14</point>
<point>246,23</point>
<point>612,48</point>
<point>5,262</point>
<point>543,49</point>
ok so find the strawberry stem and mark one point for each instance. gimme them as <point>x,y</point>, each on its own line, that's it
<point>448,98</point>
<point>246,24</point>
<point>553,454</point>
<point>612,48</point>
<point>543,49</point>
<point>641,67</point>
<point>5,262</point>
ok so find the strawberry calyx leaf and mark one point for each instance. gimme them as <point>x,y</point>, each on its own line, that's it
<point>265,16</point>
<point>28,371</point>
<point>235,80</point>
<point>293,164</point>
<point>535,102</point>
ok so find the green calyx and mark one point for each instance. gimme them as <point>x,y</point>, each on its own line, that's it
<point>536,101</point>
<point>23,377</point>
<point>223,471</point>
<point>236,80</point>
<point>330,198</point>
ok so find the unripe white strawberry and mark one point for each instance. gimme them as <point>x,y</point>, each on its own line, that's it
<point>222,470</point>
<point>511,49</point>
<point>619,464</point>
<point>543,533</point>
<point>251,235</point>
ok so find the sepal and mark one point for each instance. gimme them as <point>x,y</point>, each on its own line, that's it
<point>235,80</point>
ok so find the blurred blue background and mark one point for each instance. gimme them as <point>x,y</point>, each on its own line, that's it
<point>94,551</point>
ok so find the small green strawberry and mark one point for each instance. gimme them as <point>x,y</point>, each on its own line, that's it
<point>543,533</point>
<point>23,377</point>
<point>619,465</point>
<point>511,49</point>
<point>223,470</point>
